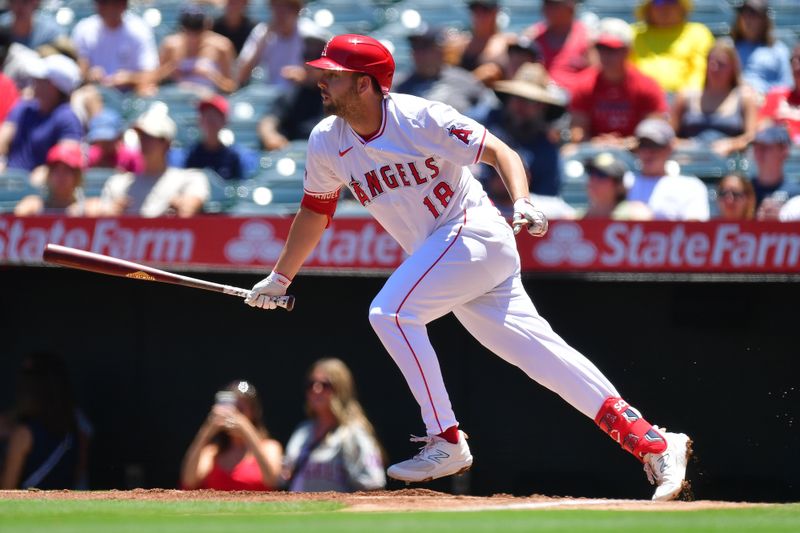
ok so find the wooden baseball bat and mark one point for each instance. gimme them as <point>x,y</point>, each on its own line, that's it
<point>103,264</point>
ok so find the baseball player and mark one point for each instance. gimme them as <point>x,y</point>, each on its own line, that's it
<point>406,160</point>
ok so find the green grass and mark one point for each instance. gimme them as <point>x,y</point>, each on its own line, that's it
<point>109,516</point>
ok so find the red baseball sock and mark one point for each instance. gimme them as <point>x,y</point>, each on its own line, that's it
<point>450,434</point>
<point>625,425</point>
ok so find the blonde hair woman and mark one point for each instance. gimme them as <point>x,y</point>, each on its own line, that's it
<point>336,448</point>
<point>724,114</point>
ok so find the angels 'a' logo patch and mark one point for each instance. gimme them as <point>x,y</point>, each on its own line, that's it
<point>460,134</point>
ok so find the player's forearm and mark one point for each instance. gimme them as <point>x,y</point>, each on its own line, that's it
<point>508,165</point>
<point>304,235</point>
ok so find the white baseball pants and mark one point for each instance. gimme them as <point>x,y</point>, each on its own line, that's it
<point>471,267</point>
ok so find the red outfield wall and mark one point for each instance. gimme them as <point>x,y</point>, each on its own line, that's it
<point>253,244</point>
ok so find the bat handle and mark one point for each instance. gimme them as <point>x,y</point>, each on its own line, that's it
<point>286,302</point>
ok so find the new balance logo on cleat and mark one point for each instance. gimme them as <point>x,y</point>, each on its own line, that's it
<point>437,458</point>
<point>438,455</point>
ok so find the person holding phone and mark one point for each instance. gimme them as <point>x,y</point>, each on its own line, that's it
<point>232,449</point>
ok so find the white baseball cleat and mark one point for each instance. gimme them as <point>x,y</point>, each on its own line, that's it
<point>667,470</point>
<point>438,458</point>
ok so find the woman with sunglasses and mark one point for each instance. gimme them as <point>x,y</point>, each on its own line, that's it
<point>336,448</point>
<point>736,199</point>
<point>233,450</point>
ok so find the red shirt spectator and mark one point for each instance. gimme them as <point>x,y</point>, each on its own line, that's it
<point>564,63</point>
<point>783,106</point>
<point>8,96</point>
<point>617,107</point>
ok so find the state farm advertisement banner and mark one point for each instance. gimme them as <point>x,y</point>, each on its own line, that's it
<point>253,244</point>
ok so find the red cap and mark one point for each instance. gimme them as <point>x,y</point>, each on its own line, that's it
<point>218,102</point>
<point>69,153</point>
<point>358,53</point>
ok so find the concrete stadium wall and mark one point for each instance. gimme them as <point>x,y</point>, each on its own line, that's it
<point>716,360</point>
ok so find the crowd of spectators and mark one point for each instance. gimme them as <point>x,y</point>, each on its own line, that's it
<point>558,89</point>
<point>45,436</point>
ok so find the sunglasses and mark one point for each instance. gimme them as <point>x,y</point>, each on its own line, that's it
<point>733,195</point>
<point>318,385</point>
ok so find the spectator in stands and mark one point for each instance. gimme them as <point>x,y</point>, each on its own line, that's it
<point>736,199</point>
<point>234,23</point>
<point>483,51</point>
<point>530,106</point>
<point>276,45</point>
<point>63,192</point>
<point>771,150</point>
<point>47,446</point>
<point>300,108</point>
<point>35,125</point>
<point>564,42</point>
<point>116,47</point>
<point>106,149</point>
<point>722,116</point>
<point>765,60</point>
<point>606,190</point>
<point>158,189</point>
<point>29,26</point>
<point>433,79</point>
<point>782,106</point>
<point>790,211</point>
<point>667,47</point>
<point>521,50</point>
<point>670,197</point>
<point>209,152</point>
<point>195,56</point>
<point>232,449</point>
<point>336,449</point>
<point>608,102</point>
<point>9,94</point>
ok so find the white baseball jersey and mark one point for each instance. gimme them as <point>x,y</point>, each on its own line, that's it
<point>412,175</point>
<point>413,179</point>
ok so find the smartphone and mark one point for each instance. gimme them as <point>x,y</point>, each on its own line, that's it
<point>225,397</point>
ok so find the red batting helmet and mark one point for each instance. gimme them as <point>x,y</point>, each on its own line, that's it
<point>358,53</point>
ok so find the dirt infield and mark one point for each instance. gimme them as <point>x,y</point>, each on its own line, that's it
<point>397,500</point>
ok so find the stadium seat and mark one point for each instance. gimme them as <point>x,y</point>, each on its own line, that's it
<point>786,14</point>
<point>253,101</point>
<point>245,133</point>
<point>14,186</point>
<point>623,9</point>
<point>717,15</point>
<point>223,195</point>
<point>95,178</point>
<point>516,15</point>
<point>351,16</point>
<point>411,13</point>
<point>703,163</point>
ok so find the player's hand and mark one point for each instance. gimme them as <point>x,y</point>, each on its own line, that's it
<point>273,285</point>
<point>528,216</point>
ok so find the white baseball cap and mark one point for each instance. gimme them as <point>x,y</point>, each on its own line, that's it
<point>155,122</point>
<point>59,70</point>
<point>614,33</point>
